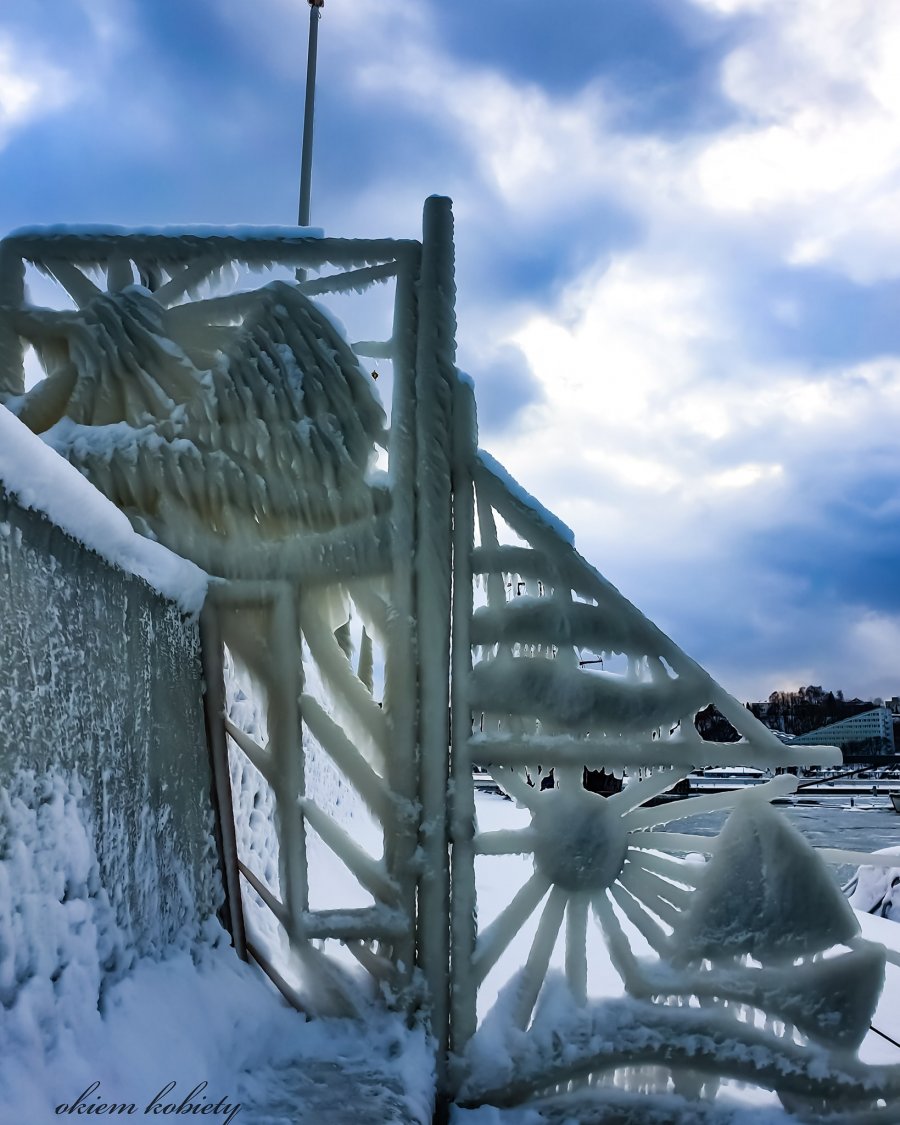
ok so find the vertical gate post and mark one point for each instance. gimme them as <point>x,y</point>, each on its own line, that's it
<point>400,673</point>
<point>435,379</point>
<point>462,803</point>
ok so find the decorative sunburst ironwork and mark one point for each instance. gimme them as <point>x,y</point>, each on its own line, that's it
<point>737,953</point>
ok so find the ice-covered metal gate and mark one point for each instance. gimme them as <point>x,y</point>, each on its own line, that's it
<point>407,612</point>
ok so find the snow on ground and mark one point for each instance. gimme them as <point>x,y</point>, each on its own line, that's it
<point>876,890</point>
<point>77,1008</point>
<point>202,1016</point>
<point>45,482</point>
<point>876,1049</point>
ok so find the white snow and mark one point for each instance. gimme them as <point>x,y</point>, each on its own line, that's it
<point>876,1049</point>
<point>876,890</point>
<point>45,482</point>
<point>202,1016</point>
<point>77,1009</point>
<point>544,515</point>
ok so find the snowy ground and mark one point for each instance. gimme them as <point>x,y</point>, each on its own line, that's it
<point>209,1019</point>
<point>200,1016</point>
<point>84,1023</point>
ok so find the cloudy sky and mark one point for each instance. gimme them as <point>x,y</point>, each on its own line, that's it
<point>678,252</point>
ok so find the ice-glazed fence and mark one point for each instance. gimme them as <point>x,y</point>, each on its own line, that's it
<point>399,611</point>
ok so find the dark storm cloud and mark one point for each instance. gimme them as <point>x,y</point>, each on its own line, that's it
<point>505,386</point>
<point>660,58</point>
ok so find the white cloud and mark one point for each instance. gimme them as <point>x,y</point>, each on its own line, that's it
<point>819,145</point>
<point>642,432</point>
<point>816,154</point>
<point>735,7</point>
<point>745,476</point>
<point>810,170</point>
<point>67,66</point>
<point>630,432</point>
<point>617,341</point>
<point>869,660</point>
<point>30,87</point>
<point>533,152</point>
<point>111,21</point>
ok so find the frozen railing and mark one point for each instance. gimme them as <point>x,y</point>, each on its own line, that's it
<point>314,695</point>
<point>240,429</point>
<point>748,966</point>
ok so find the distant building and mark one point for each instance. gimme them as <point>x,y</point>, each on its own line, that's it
<point>871,732</point>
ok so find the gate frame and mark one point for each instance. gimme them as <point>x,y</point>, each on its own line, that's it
<point>428,551</point>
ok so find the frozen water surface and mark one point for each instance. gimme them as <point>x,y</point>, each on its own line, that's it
<point>868,825</point>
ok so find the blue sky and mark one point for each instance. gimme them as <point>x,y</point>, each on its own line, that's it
<point>678,257</point>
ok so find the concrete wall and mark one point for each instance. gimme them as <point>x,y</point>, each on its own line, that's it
<point>100,679</point>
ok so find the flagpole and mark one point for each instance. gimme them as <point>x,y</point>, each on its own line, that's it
<point>315,7</point>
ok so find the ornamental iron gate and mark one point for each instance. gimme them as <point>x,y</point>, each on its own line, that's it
<point>389,612</point>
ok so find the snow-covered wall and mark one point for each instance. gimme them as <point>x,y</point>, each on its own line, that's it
<point>101,697</point>
<point>43,481</point>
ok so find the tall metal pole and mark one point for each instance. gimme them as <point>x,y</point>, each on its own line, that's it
<point>315,7</point>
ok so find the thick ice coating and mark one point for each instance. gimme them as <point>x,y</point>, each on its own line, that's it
<point>788,905</point>
<point>398,629</point>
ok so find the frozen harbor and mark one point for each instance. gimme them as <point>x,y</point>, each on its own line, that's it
<point>868,824</point>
